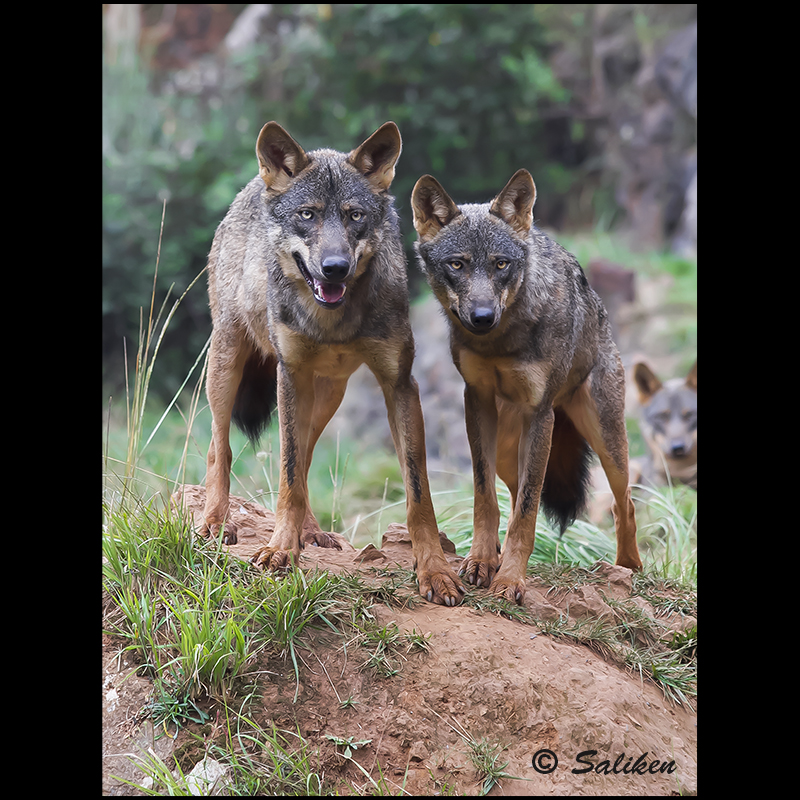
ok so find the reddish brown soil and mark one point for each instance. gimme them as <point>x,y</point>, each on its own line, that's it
<point>489,677</point>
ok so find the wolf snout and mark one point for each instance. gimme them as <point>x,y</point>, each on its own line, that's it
<point>679,448</point>
<point>482,318</point>
<point>335,268</point>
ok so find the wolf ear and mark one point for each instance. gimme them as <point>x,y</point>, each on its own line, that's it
<point>376,157</point>
<point>432,207</point>
<point>691,378</point>
<point>514,204</point>
<point>646,382</point>
<point>280,158</point>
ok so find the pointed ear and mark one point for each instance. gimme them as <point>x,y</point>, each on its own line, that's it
<point>514,204</point>
<point>376,157</point>
<point>280,158</point>
<point>691,378</point>
<point>432,207</point>
<point>646,382</point>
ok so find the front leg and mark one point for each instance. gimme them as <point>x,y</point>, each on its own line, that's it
<point>226,363</point>
<point>295,406</point>
<point>438,583</point>
<point>482,561</point>
<point>518,546</point>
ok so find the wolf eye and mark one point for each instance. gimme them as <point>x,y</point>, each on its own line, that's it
<point>501,263</point>
<point>306,214</point>
<point>356,216</point>
<point>455,264</point>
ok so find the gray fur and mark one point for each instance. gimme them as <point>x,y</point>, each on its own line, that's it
<point>543,378</point>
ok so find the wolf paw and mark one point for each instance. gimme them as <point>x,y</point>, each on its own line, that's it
<point>228,531</point>
<point>319,538</point>
<point>631,562</point>
<point>440,585</point>
<point>272,559</point>
<point>509,588</point>
<point>478,571</point>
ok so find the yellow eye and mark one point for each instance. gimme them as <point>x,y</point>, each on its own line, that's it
<point>356,216</point>
<point>306,214</point>
<point>501,263</point>
<point>455,264</point>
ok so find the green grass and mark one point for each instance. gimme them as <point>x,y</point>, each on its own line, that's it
<point>667,531</point>
<point>359,494</point>
<point>485,757</point>
<point>195,619</point>
<point>257,761</point>
<point>386,645</point>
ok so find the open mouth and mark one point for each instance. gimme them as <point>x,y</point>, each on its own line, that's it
<point>329,295</point>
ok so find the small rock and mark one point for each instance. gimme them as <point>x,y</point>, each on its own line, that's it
<point>396,534</point>
<point>586,602</point>
<point>618,577</point>
<point>447,545</point>
<point>368,553</point>
<point>208,777</point>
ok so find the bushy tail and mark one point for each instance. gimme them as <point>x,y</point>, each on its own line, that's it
<point>566,481</point>
<point>257,396</point>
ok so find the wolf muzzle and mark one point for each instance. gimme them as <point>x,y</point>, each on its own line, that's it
<point>678,448</point>
<point>482,318</point>
<point>330,292</point>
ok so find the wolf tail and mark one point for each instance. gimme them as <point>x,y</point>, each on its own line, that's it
<point>566,481</point>
<point>257,396</point>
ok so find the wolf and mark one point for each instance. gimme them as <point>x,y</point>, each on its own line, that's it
<point>544,382</point>
<point>306,282</point>
<point>668,422</point>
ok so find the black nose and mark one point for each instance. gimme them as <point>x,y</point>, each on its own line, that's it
<point>482,317</point>
<point>335,268</point>
<point>678,448</point>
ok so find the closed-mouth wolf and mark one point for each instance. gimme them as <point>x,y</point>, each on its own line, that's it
<point>668,422</point>
<point>543,378</point>
<point>307,281</point>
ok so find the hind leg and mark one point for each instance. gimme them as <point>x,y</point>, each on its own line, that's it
<point>305,406</point>
<point>328,396</point>
<point>598,411</point>
<point>227,357</point>
<point>509,434</point>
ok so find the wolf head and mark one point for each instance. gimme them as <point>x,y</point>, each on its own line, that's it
<point>328,205</point>
<point>475,256</point>
<point>669,414</point>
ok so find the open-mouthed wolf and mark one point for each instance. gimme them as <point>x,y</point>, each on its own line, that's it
<point>543,378</point>
<point>307,281</point>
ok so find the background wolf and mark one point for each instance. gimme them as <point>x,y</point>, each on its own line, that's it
<point>668,421</point>
<point>307,281</point>
<point>543,378</point>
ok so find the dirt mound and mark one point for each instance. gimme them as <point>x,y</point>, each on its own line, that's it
<point>606,730</point>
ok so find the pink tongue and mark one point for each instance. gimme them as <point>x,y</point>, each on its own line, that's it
<point>330,292</point>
